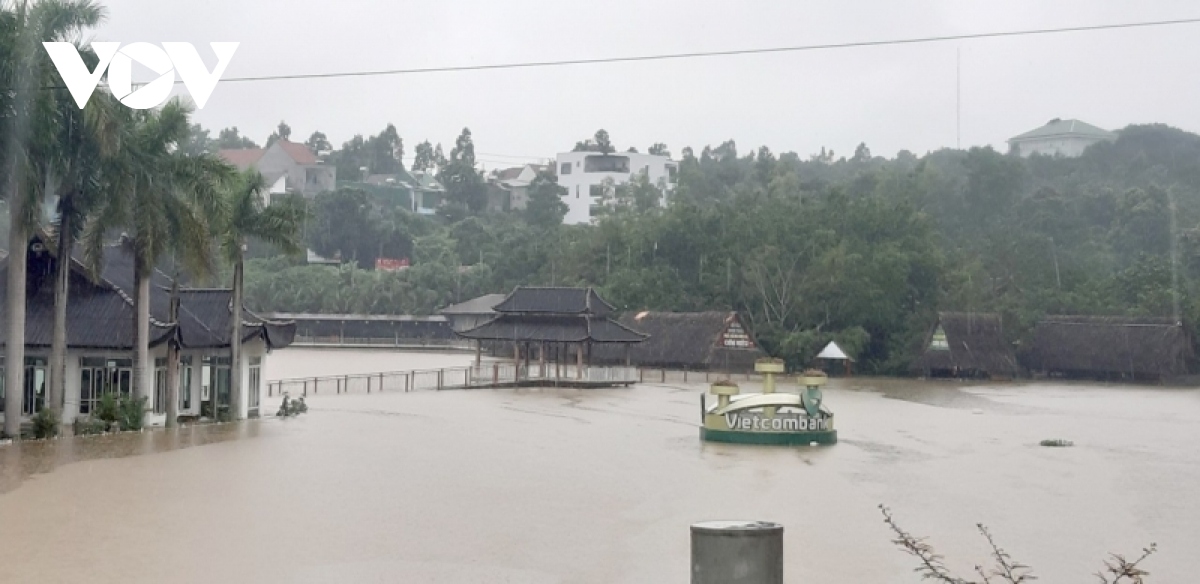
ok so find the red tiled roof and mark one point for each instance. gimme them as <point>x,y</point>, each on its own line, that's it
<point>299,152</point>
<point>242,158</point>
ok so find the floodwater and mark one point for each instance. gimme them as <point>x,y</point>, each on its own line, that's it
<point>600,486</point>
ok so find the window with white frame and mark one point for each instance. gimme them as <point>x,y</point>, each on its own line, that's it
<point>255,390</point>
<point>185,384</point>
<point>160,386</point>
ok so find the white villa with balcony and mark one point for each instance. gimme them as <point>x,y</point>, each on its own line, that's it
<point>583,173</point>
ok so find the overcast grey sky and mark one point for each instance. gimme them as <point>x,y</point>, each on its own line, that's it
<point>892,98</point>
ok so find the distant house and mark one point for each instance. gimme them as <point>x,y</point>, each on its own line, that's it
<point>428,193</point>
<point>966,344</point>
<point>418,191</point>
<point>508,189</point>
<point>1109,347</point>
<point>1059,138</point>
<point>715,341</point>
<point>302,173</point>
<point>583,175</point>
<point>472,313</point>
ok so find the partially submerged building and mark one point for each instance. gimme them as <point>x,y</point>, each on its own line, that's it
<point>559,323</point>
<point>100,344</point>
<point>472,313</point>
<point>703,341</point>
<point>1109,347</point>
<point>967,344</point>
<point>368,329</point>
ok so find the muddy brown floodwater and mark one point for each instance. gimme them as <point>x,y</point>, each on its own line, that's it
<point>573,486</point>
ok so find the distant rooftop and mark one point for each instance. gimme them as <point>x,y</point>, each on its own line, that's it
<point>1061,128</point>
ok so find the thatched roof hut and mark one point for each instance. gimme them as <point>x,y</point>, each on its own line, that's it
<point>1109,346</point>
<point>968,344</point>
<point>715,341</point>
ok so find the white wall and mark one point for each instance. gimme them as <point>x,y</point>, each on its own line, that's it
<point>578,183</point>
<point>1069,146</point>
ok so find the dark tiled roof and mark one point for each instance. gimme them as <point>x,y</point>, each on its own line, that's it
<point>527,299</point>
<point>100,314</point>
<point>552,329</point>
<point>481,305</point>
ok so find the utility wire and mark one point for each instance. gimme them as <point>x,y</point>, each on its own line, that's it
<point>709,54</point>
<point>705,54</point>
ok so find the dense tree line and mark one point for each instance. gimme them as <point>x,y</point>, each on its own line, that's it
<point>863,249</point>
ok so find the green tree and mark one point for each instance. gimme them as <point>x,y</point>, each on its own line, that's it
<point>79,160</point>
<point>167,200</point>
<point>318,142</point>
<point>26,121</point>
<point>230,139</point>
<point>424,159</point>
<point>466,192</point>
<point>659,149</point>
<point>545,207</point>
<point>247,217</point>
<point>282,132</point>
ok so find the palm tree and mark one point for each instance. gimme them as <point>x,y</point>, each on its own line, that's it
<point>166,198</point>
<point>26,121</point>
<point>79,160</point>
<point>250,217</point>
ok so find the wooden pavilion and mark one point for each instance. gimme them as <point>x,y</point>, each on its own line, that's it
<point>556,322</point>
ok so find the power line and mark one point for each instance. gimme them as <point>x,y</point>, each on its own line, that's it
<point>702,54</point>
<point>710,54</point>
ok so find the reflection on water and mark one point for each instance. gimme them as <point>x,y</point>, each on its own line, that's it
<point>22,460</point>
<point>599,486</point>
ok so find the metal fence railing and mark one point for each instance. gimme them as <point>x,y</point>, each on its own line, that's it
<point>337,341</point>
<point>492,374</point>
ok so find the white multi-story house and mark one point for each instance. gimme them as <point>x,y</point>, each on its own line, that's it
<point>582,174</point>
<point>1059,138</point>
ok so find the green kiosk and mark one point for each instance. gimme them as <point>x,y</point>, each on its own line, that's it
<point>769,417</point>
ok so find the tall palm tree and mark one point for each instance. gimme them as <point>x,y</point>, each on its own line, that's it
<point>26,119</point>
<point>78,162</point>
<point>167,198</point>
<point>248,216</point>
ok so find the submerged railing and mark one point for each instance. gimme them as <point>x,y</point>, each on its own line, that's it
<point>492,374</point>
<point>358,342</point>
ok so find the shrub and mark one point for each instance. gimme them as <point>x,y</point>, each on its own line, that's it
<point>45,424</point>
<point>89,426</point>
<point>108,410</point>
<point>1006,570</point>
<point>132,413</point>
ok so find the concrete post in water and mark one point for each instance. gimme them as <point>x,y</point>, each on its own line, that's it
<point>737,552</point>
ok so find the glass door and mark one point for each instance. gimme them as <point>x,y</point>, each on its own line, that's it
<point>35,385</point>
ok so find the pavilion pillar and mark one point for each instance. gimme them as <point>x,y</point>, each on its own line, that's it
<point>478,352</point>
<point>579,361</point>
<point>557,360</point>
<point>627,354</point>
<point>542,359</point>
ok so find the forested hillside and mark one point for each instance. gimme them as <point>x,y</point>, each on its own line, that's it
<point>862,248</point>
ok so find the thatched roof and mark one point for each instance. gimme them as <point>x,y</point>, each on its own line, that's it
<point>691,340</point>
<point>1109,345</point>
<point>973,342</point>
